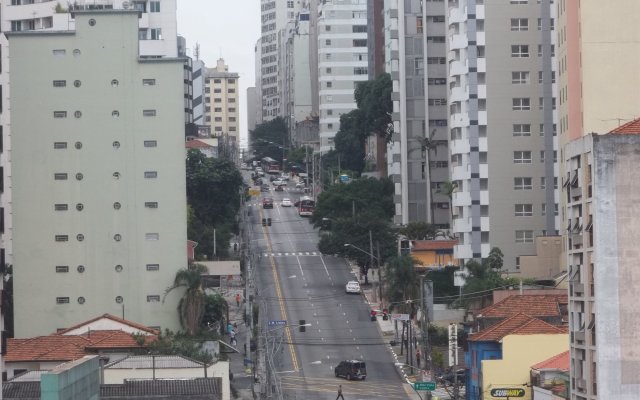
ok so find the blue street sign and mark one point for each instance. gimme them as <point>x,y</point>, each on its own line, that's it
<point>277,323</point>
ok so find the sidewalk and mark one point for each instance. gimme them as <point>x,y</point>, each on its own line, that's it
<point>387,329</point>
<point>242,371</point>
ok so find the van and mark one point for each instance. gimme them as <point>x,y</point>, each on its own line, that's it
<point>351,369</point>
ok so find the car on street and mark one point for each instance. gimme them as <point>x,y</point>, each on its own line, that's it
<point>352,287</point>
<point>267,202</point>
<point>299,185</point>
<point>278,182</point>
<point>284,177</point>
<point>351,369</point>
<point>279,188</point>
<point>449,377</point>
<point>286,202</point>
<point>264,188</point>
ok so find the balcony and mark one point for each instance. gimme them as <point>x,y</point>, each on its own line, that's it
<point>462,225</point>
<point>459,146</point>
<point>460,173</point>
<point>457,15</point>
<point>461,199</point>
<point>458,94</point>
<point>462,251</point>
<point>457,42</point>
<point>576,239</point>
<point>485,225</point>
<point>457,68</point>
<point>30,11</point>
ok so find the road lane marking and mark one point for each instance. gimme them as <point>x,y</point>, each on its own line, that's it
<point>283,311</point>
<point>323,264</point>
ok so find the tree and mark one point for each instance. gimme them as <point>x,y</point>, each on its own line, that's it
<point>270,138</point>
<point>402,282</point>
<point>213,195</point>
<point>419,231</point>
<point>179,343</point>
<point>350,140</point>
<point>191,305</point>
<point>215,309</point>
<point>374,99</point>
<point>494,261</point>
<point>448,188</point>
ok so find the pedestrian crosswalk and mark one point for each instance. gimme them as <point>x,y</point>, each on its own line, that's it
<point>294,254</point>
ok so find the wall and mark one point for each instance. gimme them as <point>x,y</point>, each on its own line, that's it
<point>548,260</point>
<point>519,353</point>
<point>79,379</point>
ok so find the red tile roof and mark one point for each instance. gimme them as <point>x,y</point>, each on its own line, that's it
<point>196,144</point>
<point>58,347</point>
<point>559,362</point>
<point>534,305</point>
<point>113,318</point>
<point>630,128</point>
<point>433,244</point>
<point>518,324</point>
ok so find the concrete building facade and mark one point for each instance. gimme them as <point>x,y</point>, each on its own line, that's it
<point>417,155</point>
<point>342,61</point>
<point>601,195</point>
<point>501,124</point>
<point>198,72</point>
<point>95,237</point>
<point>222,102</point>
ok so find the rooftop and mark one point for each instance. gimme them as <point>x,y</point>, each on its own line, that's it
<point>157,362</point>
<point>518,324</point>
<point>534,305</point>
<point>111,318</point>
<point>559,362</point>
<point>192,389</point>
<point>630,128</point>
<point>433,244</point>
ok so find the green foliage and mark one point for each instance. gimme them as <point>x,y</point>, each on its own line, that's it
<point>439,335</point>
<point>354,209</point>
<point>494,261</point>
<point>437,358</point>
<point>486,276</point>
<point>443,282</point>
<point>213,196</point>
<point>179,343</point>
<point>418,231</point>
<point>402,282</point>
<point>269,138</point>
<point>215,310</point>
<point>298,155</point>
<point>374,99</point>
<point>191,305</point>
<point>350,140</point>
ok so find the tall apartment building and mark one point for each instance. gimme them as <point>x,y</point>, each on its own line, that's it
<point>597,83</point>
<point>157,33</point>
<point>342,61</point>
<point>95,237</point>
<point>275,14</point>
<point>502,125</point>
<point>417,154</point>
<point>222,102</point>
<point>601,196</point>
<point>198,72</point>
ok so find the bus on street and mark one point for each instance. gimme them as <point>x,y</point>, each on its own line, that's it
<point>306,206</point>
<point>270,166</point>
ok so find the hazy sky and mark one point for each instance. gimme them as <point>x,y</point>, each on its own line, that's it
<point>227,29</point>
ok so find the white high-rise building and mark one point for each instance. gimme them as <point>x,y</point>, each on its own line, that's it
<point>222,101</point>
<point>98,176</point>
<point>342,61</point>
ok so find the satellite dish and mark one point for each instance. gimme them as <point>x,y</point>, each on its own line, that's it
<point>125,5</point>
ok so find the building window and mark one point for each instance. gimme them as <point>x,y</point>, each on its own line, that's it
<point>360,71</point>
<point>59,145</point>
<point>150,174</point>
<point>359,42</point>
<point>435,39</point>
<point>60,176</point>
<point>117,237</point>
<point>152,236</point>
<point>523,210</point>
<point>148,113</point>
<point>151,204</point>
<point>154,298</point>
<point>79,206</point>
<point>153,267</point>
<point>522,157</point>
<point>62,300</point>
<point>519,51</point>
<point>59,83</point>
<point>62,269</point>
<point>327,42</point>
<point>150,143</point>
<point>59,114</point>
<point>148,82</point>
<point>154,6</point>
<point>231,100</point>
<point>81,300</point>
<point>118,268</point>
<point>436,60</point>
<point>519,24</point>
<point>61,207</point>
<point>437,81</point>
<point>156,34</point>
<point>521,104</point>
<point>115,145</point>
<point>62,238</point>
<point>519,1</point>
<point>553,77</point>
<point>521,129</point>
<point>80,237</point>
<point>56,52</point>
<point>524,236</point>
<point>232,110</point>
<point>119,299</point>
<point>329,84</point>
<point>419,25</point>
<point>522,183</point>
<point>520,77</point>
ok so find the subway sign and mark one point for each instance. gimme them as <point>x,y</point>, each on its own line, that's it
<point>507,392</point>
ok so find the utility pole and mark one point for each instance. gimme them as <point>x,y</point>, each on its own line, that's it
<point>375,294</point>
<point>426,291</point>
<point>379,271</point>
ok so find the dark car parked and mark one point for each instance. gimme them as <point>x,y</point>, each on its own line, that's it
<point>351,369</point>
<point>264,188</point>
<point>267,202</point>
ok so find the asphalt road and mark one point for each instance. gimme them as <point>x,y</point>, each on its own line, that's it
<point>295,282</point>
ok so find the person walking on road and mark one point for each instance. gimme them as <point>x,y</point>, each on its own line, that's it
<point>238,299</point>
<point>418,358</point>
<point>340,396</point>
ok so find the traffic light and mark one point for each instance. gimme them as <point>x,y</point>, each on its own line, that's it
<point>269,221</point>
<point>302,326</point>
<point>264,222</point>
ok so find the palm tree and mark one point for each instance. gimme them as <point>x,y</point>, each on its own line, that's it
<point>401,280</point>
<point>191,305</point>
<point>428,144</point>
<point>448,188</point>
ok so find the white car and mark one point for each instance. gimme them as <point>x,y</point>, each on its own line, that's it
<point>352,287</point>
<point>279,182</point>
<point>286,202</point>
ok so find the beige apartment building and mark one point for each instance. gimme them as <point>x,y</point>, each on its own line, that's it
<point>222,102</point>
<point>99,194</point>
<point>598,80</point>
